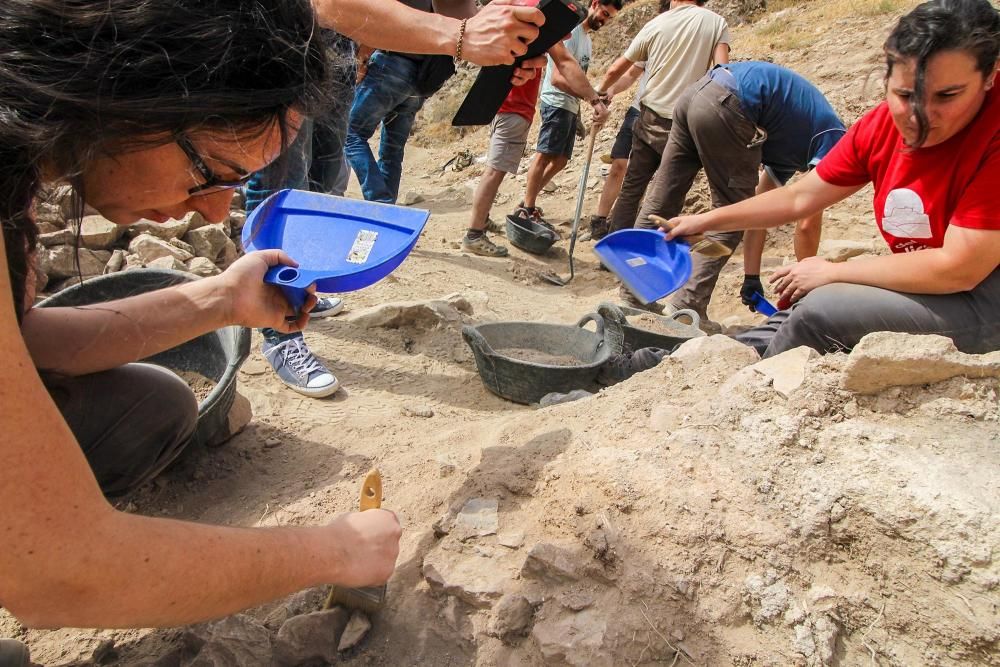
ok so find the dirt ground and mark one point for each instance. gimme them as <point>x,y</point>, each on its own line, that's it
<point>692,515</point>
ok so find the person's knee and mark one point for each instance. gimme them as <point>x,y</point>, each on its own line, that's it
<point>818,320</point>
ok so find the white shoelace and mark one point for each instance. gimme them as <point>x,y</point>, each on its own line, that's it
<point>298,357</point>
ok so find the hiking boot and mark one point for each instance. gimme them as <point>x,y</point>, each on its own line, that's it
<point>14,654</point>
<point>534,214</point>
<point>621,367</point>
<point>326,306</point>
<point>599,227</point>
<point>483,246</point>
<point>299,368</point>
<point>631,301</point>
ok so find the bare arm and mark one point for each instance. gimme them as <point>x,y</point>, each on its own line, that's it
<point>75,341</point>
<point>568,76</point>
<point>496,35</point>
<point>721,54</point>
<point>753,239</point>
<point>625,82</point>
<point>807,196</point>
<point>615,72</point>
<point>69,559</point>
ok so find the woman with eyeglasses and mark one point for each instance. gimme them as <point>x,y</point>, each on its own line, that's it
<point>149,110</point>
<point>932,153</point>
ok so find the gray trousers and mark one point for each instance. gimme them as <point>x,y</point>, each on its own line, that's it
<point>649,137</point>
<point>131,421</point>
<point>835,317</point>
<point>710,132</point>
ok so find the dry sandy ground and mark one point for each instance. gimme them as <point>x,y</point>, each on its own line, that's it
<point>697,516</point>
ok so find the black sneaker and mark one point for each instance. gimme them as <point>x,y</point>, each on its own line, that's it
<point>621,367</point>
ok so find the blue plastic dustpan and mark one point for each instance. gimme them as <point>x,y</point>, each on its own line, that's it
<point>762,305</point>
<point>649,266</point>
<point>340,244</point>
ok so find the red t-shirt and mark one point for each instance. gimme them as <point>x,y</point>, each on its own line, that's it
<point>918,193</point>
<point>522,99</point>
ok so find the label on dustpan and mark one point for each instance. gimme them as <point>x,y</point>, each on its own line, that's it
<point>636,262</point>
<point>362,246</point>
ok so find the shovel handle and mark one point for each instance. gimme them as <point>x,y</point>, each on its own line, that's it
<point>287,278</point>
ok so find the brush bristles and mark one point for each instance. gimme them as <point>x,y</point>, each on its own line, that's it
<point>368,599</point>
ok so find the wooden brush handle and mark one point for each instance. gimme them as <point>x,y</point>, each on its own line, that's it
<point>371,491</point>
<point>691,239</point>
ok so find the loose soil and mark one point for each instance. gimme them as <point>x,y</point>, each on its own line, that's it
<point>539,357</point>
<point>201,386</point>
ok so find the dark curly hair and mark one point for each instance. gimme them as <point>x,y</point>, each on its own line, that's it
<point>943,25</point>
<point>82,78</point>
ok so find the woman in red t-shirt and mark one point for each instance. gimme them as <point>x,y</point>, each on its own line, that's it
<point>932,152</point>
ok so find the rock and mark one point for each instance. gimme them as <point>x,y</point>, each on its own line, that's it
<point>202,266</point>
<point>417,411</point>
<point>704,349</point>
<point>576,600</point>
<point>310,637</point>
<point>208,241</point>
<point>837,250</point>
<point>767,602</point>
<point>60,237</point>
<point>786,370</point>
<point>236,221</point>
<point>171,229</point>
<point>356,629</point>
<point>575,639</point>
<point>511,618</point>
<point>116,263</point>
<point>419,314</point>
<point>177,243</point>
<point>511,540</point>
<point>550,187</point>
<point>276,618</point>
<point>194,220</point>
<point>555,398</point>
<point>167,263</point>
<point>475,580</point>
<point>239,415</point>
<point>98,233</point>
<point>65,647</point>
<point>886,359</point>
<point>477,518</point>
<point>61,261</point>
<point>551,563</point>
<point>234,640</point>
<point>132,261</point>
<point>410,197</point>
<point>230,253</point>
<point>148,248</point>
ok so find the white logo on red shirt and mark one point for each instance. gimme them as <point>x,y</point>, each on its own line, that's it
<point>904,215</point>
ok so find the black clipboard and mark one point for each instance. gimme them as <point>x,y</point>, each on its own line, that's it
<point>493,83</point>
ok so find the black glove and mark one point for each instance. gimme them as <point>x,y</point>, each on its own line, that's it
<point>751,285</point>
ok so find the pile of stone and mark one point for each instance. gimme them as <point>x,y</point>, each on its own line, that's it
<point>68,253</point>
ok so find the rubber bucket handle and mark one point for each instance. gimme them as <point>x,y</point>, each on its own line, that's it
<point>293,284</point>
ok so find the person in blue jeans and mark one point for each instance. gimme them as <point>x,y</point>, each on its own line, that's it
<point>315,162</point>
<point>387,96</point>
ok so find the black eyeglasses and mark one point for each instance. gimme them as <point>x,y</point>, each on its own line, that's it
<point>212,182</point>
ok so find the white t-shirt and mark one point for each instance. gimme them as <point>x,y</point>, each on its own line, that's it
<point>579,46</point>
<point>678,47</point>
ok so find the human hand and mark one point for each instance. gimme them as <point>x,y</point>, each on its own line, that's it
<point>794,281</point>
<point>683,226</point>
<point>528,70</point>
<point>500,32</point>
<point>252,302</point>
<point>600,113</point>
<point>751,286</point>
<point>366,545</point>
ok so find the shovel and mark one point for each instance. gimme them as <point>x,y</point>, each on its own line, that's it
<point>580,191</point>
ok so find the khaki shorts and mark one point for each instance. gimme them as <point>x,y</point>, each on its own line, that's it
<point>508,137</point>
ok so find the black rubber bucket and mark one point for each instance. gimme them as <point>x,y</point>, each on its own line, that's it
<point>674,330</point>
<point>529,236</point>
<point>524,381</point>
<point>216,355</point>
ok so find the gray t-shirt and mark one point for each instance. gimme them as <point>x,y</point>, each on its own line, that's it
<point>579,47</point>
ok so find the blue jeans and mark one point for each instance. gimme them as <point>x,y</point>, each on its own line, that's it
<point>387,96</point>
